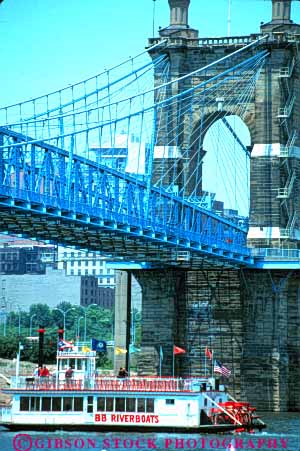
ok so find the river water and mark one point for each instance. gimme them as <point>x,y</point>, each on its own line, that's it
<point>282,433</point>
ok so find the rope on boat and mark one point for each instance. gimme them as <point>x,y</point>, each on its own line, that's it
<point>5,378</point>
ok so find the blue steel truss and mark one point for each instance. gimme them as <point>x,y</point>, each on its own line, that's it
<point>49,190</point>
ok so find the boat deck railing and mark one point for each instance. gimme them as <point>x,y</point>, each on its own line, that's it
<point>106,383</point>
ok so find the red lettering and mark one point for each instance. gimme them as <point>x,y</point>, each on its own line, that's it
<point>151,443</point>
<point>226,443</point>
<point>156,419</point>
<point>100,417</point>
<point>91,443</point>
<point>168,442</point>
<point>179,443</point>
<point>68,443</point>
<point>113,417</point>
<point>272,443</point>
<point>116,441</point>
<point>284,442</point>
<point>138,441</point>
<point>58,444</point>
<point>211,443</point>
<point>131,418</point>
<point>137,419</point>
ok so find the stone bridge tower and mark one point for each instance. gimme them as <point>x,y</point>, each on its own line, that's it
<point>250,317</point>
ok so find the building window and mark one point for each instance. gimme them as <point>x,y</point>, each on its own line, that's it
<point>79,272</point>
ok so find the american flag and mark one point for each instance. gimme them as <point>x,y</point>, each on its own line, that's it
<point>220,368</point>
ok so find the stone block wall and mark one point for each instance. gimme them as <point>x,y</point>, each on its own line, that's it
<point>249,318</point>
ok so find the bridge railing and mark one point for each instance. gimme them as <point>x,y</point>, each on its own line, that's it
<point>275,253</point>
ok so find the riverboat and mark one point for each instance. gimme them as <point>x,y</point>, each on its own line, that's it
<point>92,401</point>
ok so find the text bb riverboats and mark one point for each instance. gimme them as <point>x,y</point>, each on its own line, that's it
<point>89,401</point>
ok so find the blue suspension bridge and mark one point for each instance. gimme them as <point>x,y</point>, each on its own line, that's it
<point>95,165</point>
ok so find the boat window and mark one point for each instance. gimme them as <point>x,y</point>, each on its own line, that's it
<point>46,403</point>
<point>34,403</point>
<point>78,404</point>
<point>120,405</point>
<point>170,401</point>
<point>109,404</point>
<point>67,404</point>
<point>141,405</point>
<point>150,405</point>
<point>79,364</point>
<point>90,406</point>
<point>100,404</point>
<point>24,403</point>
<point>130,405</point>
<point>56,404</point>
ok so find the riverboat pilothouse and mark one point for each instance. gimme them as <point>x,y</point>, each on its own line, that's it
<point>90,401</point>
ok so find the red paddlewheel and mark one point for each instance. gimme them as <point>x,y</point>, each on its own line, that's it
<point>235,413</point>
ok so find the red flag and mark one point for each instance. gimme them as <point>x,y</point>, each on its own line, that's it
<point>177,350</point>
<point>208,353</point>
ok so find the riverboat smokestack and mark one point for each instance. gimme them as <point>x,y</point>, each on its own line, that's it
<point>41,332</point>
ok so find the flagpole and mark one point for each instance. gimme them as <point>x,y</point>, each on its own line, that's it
<point>173,362</point>
<point>212,363</point>
<point>160,360</point>
<point>205,363</point>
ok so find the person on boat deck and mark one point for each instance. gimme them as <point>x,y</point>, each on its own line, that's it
<point>44,372</point>
<point>36,371</point>
<point>122,373</point>
<point>69,376</point>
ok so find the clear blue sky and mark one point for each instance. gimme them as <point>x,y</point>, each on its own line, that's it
<point>48,44</point>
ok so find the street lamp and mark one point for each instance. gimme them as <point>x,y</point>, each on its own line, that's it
<point>78,326</point>
<point>19,313</point>
<point>64,313</point>
<point>85,315</point>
